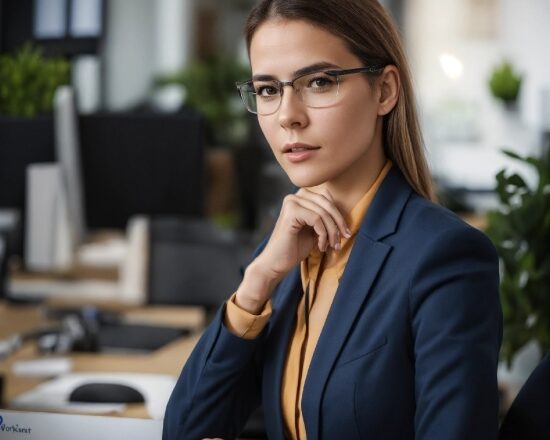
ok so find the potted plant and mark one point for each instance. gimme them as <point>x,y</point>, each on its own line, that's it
<point>210,89</point>
<point>27,85</point>
<point>28,82</point>
<point>520,230</point>
<point>505,84</point>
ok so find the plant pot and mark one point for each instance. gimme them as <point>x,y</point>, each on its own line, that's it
<point>510,132</point>
<point>221,200</point>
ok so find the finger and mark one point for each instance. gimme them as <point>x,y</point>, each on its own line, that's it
<point>325,200</point>
<point>328,221</point>
<point>325,192</point>
<point>297,215</point>
<point>315,221</point>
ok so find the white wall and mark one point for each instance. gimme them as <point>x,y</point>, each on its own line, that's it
<point>128,52</point>
<point>434,27</point>
<point>465,127</point>
<point>522,34</point>
<point>144,38</point>
<point>175,34</point>
<point>526,39</point>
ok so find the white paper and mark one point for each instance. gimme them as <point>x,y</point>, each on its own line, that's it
<point>43,367</point>
<point>111,253</point>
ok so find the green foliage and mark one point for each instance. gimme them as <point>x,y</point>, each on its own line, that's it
<point>505,83</point>
<point>28,82</point>
<point>211,90</point>
<point>520,230</point>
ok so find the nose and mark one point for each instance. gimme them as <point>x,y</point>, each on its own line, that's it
<point>292,112</point>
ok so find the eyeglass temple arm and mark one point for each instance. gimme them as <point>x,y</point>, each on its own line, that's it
<point>370,69</point>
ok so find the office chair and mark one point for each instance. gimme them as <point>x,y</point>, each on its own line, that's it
<point>192,262</point>
<point>529,415</point>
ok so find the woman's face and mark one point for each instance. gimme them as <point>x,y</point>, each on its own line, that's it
<point>344,141</point>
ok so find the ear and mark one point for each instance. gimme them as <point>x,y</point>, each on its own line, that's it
<point>388,89</point>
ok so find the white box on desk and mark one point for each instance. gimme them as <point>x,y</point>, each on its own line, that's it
<point>48,241</point>
<point>46,426</point>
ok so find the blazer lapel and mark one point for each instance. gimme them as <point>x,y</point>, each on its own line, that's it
<point>284,312</point>
<point>366,259</point>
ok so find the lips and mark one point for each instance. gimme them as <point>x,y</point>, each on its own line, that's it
<point>297,152</point>
<point>297,147</point>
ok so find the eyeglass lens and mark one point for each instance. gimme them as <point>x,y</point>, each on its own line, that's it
<point>315,90</point>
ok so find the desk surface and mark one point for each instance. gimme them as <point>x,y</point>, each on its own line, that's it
<point>167,360</point>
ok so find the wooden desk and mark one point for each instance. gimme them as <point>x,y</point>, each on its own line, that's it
<point>167,360</point>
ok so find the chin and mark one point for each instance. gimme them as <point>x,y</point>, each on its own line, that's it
<point>305,179</point>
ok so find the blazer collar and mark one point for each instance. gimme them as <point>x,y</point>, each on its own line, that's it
<point>386,208</point>
<point>367,258</point>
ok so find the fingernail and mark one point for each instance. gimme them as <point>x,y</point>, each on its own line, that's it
<point>348,233</point>
<point>338,246</point>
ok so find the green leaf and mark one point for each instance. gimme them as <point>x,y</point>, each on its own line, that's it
<point>520,230</point>
<point>28,81</point>
<point>505,83</point>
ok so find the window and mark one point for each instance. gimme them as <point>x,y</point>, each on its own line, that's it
<point>68,27</point>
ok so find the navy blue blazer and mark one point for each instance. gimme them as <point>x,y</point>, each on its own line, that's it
<point>409,349</point>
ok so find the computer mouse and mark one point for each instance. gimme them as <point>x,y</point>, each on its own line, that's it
<point>105,393</point>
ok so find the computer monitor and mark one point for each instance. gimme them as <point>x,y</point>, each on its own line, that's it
<point>67,146</point>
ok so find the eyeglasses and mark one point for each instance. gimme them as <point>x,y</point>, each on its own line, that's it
<point>316,90</point>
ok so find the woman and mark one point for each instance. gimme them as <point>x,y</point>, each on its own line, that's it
<point>369,312</point>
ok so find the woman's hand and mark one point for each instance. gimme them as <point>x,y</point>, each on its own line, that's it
<point>307,219</point>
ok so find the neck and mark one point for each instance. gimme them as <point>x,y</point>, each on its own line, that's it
<point>349,189</point>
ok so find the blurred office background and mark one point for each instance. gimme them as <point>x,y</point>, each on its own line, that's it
<point>167,58</point>
<point>161,154</point>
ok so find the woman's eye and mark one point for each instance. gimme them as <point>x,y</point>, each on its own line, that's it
<point>266,91</point>
<point>321,82</point>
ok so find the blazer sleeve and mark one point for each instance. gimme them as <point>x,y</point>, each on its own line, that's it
<point>218,387</point>
<point>456,329</point>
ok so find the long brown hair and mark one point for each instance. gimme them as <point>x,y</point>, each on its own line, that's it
<point>372,36</point>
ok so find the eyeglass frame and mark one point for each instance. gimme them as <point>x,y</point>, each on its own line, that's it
<point>282,84</point>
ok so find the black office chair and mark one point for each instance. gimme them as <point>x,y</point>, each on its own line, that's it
<point>192,262</point>
<point>529,415</point>
<point>195,262</point>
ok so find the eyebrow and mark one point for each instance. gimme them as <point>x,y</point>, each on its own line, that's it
<point>303,71</point>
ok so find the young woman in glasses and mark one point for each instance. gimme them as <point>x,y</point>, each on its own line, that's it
<point>370,311</point>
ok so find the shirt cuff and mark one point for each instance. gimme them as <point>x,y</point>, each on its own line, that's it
<point>244,324</point>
